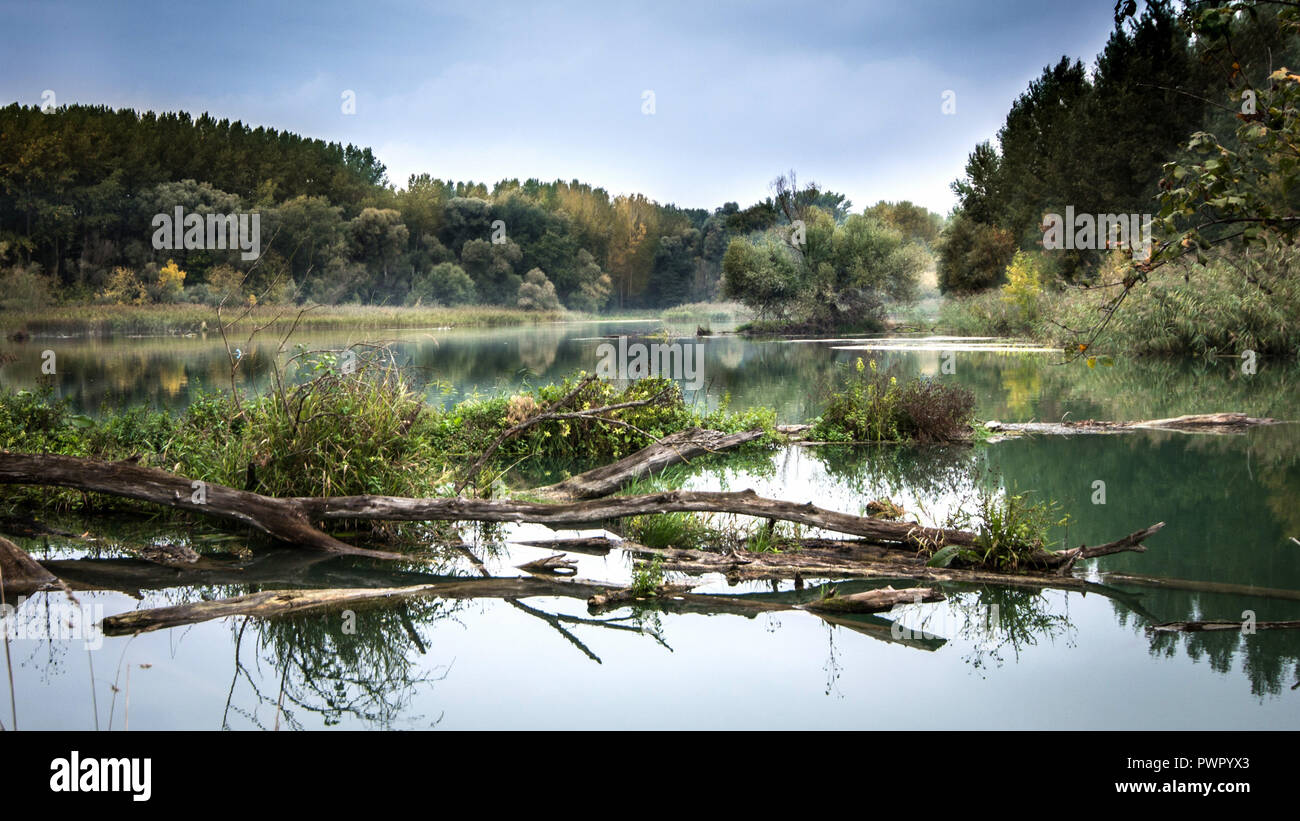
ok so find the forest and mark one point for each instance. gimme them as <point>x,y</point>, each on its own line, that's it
<point>83,183</point>
<point>1099,141</point>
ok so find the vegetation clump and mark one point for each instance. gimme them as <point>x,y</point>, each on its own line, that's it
<point>1013,532</point>
<point>647,578</point>
<point>342,431</point>
<point>1236,301</point>
<point>874,407</point>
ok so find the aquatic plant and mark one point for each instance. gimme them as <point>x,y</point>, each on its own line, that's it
<point>648,577</point>
<point>874,407</point>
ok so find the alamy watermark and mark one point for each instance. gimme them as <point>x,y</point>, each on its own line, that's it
<point>683,362</point>
<point>125,775</point>
<point>59,621</point>
<point>1089,232</point>
<point>211,232</point>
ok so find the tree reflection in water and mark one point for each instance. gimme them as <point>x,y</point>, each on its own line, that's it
<point>336,666</point>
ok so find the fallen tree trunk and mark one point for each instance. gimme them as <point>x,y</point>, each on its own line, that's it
<point>873,601</point>
<point>847,560</point>
<point>591,545</point>
<point>668,451</point>
<point>745,503</point>
<point>20,574</point>
<point>1207,626</point>
<point>275,517</point>
<point>291,519</point>
<point>1191,423</point>
<point>275,603</point>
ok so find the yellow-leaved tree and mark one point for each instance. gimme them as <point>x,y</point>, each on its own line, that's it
<point>1024,285</point>
<point>124,288</point>
<point>171,282</point>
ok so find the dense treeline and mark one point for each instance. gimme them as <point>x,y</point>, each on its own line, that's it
<point>1097,140</point>
<point>818,268</point>
<point>82,186</point>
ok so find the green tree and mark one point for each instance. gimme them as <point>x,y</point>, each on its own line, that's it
<point>593,285</point>
<point>444,284</point>
<point>536,293</point>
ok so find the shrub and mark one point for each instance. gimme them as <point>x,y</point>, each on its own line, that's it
<point>865,410</point>
<point>171,283</point>
<point>1024,286</point>
<point>1235,302</point>
<point>933,411</point>
<point>873,407</point>
<point>124,288</point>
<point>24,289</point>
<point>648,577</point>
<point>537,293</point>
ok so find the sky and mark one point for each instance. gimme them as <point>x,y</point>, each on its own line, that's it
<point>693,103</point>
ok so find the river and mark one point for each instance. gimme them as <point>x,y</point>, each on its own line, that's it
<point>1051,659</point>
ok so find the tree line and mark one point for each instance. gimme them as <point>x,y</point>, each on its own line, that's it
<point>82,184</point>
<point>1109,140</point>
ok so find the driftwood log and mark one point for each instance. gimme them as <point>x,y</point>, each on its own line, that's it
<point>829,559</point>
<point>600,597</point>
<point>556,564</point>
<point>20,574</point>
<point>1211,626</point>
<point>745,503</point>
<point>873,601</point>
<point>671,450</point>
<point>274,517</point>
<point>291,519</point>
<point>1191,423</point>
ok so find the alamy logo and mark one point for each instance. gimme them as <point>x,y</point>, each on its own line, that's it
<point>77,774</point>
<point>213,232</point>
<point>638,361</point>
<point>55,622</point>
<point>1086,232</point>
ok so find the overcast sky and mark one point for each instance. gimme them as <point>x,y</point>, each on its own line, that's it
<point>848,94</point>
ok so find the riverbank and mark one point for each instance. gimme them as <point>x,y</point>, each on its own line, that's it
<point>182,319</point>
<point>1181,311</point>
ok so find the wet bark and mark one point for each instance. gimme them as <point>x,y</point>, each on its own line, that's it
<point>1208,626</point>
<point>654,458</point>
<point>275,517</point>
<point>20,574</point>
<point>1191,423</point>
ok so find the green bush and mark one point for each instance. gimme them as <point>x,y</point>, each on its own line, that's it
<point>874,407</point>
<point>1236,302</point>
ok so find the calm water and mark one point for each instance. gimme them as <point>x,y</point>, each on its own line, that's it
<point>1055,658</point>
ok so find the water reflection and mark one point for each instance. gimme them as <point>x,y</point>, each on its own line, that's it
<point>1231,504</point>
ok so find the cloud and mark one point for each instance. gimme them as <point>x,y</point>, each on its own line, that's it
<point>849,95</point>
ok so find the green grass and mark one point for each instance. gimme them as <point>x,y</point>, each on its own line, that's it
<point>873,406</point>
<point>1216,311</point>
<point>1234,303</point>
<point>184,318</point>
<point>706,312</point>
<point>365,432</point>
<point>1012,529</point>
<point>663,530</point>
<point>988,314</point>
